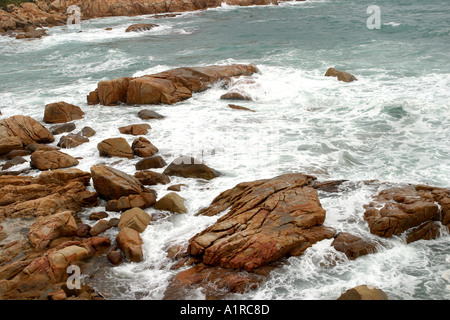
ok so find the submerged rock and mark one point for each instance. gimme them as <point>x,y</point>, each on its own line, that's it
<point>141,27</point>
<point>341,75</point>
<point>189,167</point>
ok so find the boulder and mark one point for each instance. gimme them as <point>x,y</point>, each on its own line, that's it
<point>135,218</point>
<point>400,209</point>
<point>171,202</point>
<point>150,178</point>
<point>115,257</point>
<point>141,27</point>
<point>341,75</point>
<point>62,112</point>
<point>17,153</point>
<point>100,227</point>
<point>189,167</point>
<point>92,98</point>
<point>26,129</point>
<point>146,114</point>
<point>142,147</point>
<point>236,95</point>
<point>63,128</point>
<point>115,147</point>
<point>151,163</point>
<point>135,129</point>
<point>71,141</point>
<point>364,292</point>
<point>130,243</point>
<point>87,132</point>
<point>9,144</point>
<point>46,229</point>
<point>111,183</point>
<point>269,219</point>
<point>53,159</point>
<point>62,177</point>
<point>142,200</point>
<point>14,162</point>
<point>167,87</point>
<point>353,246</point>
<point>98,215</point>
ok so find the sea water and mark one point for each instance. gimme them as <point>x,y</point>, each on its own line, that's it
<point>392,125</point>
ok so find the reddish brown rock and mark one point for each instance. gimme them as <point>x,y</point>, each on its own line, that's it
<point>142,200</point>
<point>111,183</point>
<point>71,141</point>
<point>62,112</point>
<point>130,243</point>
<point>151,163</point>
<point>171,202</point>
<point>63,176</point>
<point>45,160</point>
<point>150,178</point>
<point>167,87</point>
<point>364,292</point>
<point>236,107</point>
<point>26,129</point>
<point>135,218</point>
<point>62,128</point>
<point>268,220</point>
<point>9,144</point>
<point>353,246</point>
<point>397,210</point>
<point>142,147</point>
<point>135,129</point>
<point>115,147</point>
<point>341,75</point>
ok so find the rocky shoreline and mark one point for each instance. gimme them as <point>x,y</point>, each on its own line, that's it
<point>29,19</point>
<point>266,222</point>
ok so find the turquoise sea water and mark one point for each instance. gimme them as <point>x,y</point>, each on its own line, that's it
<point>392,125</point>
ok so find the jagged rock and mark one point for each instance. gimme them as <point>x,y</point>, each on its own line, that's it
<point>269,219</point>
<point>62,112</point>
<point>142,147</point>
<point>115,147</point>
<point>353,246</point>
<point>53,159</point>
<point>189,167</point>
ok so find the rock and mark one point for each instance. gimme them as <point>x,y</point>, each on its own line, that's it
<point>146,114</point>
<point>62,128</point>
<point>46,229</point>
<point>233,106</point>
<point>397,210</point>
<point>115,147</point>
<point>341,75</point>
<point>142,201</point>
<point>130,243</point>
<point>151,163</point>
<point>87,132</point>
<point>45,160</point>
<point>150,178</point>
<point>32,147</point>
<point>33,34</point>
<point>17,153</point>
<point>353,246</point>
<point>9,144</point>
<point>62,112</point>
<point>166,87</point>
<point>14,162</point>
<point>92,98</point>
<point>135,218</point>
<point>141,27</point>
<point>100,227</point>
<point>71,141</point>
<point>202,277</point>
<point>235,95</point>
<point>98,215</point>
<point>135,129</point>
<point>171,202</point>
<point>142,147</point>
<point>63,176</point>
<point>176,187</point>
<point>269,219</point>
<point>189,167</point>
<point>426,231</point>
<point>115,257</point>
<point>26,129</point>
<point>111,183</point>
<point>364,292</point>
